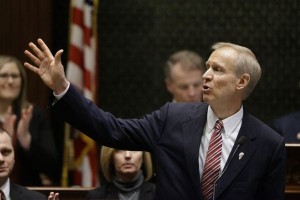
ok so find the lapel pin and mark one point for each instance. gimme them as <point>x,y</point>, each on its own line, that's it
<point>241,155</point>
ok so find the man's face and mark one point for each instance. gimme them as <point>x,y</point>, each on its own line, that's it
<point>7,156</point>
<point>220,80</point>
<point>185,85</point>
<point>127,163</point>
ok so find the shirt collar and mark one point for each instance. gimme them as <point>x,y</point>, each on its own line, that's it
<point>229,123</point>
<point>6,188</point>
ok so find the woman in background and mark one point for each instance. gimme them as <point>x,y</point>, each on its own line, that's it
<point>127,174</point>
<point>32,136</point>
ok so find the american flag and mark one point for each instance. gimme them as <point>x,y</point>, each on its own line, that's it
<point>82,72</point>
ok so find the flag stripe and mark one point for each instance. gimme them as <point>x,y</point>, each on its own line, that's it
<point>82,73</point>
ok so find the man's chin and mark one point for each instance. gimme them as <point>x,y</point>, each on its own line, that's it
<point>3,175</point>
<point>205,99</point>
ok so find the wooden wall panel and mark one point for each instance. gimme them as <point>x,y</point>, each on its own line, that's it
<point>22,21</point>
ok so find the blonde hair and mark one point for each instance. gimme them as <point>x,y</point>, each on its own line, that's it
<point>21,99</point>
<point>107,166</point>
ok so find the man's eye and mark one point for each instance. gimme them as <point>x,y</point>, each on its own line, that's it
<point>217,69</point>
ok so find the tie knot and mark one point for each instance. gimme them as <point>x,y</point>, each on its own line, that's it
<point>218,125</point>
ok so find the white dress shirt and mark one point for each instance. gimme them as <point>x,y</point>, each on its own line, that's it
<point>229,133</point>
<point>6,189</point>
<point>59,96</point>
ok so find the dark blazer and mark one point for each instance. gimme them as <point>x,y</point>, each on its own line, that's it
<point>289,126</point>
<point>41,155</point>
<point>109,191</point>
<point>173,135</point>
<point>18,192</point>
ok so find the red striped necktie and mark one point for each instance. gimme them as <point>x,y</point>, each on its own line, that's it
<point>212,162</point>
<point>2,195</point>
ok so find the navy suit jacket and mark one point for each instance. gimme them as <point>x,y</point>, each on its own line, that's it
<point>18,192</point>
<point>173,135</point>
<point>289,126</point>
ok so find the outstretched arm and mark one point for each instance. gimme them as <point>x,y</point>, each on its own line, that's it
<point>48,67</point>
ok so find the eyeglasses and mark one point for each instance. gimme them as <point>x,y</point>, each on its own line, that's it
<point>6,76</point>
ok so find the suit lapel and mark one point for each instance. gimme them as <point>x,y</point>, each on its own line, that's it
<point>15,192</point>
<point>192,133</point>
<point>237,164</point>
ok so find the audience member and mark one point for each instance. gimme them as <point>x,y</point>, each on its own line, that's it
<point>9,189</point>
<point>183,76</point>
<point>32,137</point>
<point>250,157</point>
<point>126,173</point>
<point>289,127</point>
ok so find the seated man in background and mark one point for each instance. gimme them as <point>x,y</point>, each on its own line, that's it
<point>126,173</point>
<point>183,76</point>
<point>8,189</point>
<point>289,127</point>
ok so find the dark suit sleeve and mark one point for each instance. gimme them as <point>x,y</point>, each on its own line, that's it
<point>273,185</point>
<point>105,128</point>
<point>18,192</point>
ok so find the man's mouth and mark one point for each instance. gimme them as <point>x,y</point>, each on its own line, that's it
<point>205,88</point>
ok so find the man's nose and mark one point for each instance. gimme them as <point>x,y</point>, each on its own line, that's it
<point>192,91</point>
<point>207,74</point>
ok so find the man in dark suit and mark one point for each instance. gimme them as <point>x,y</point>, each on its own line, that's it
<point>252,164</point>
<point>289,127</point>
<point>7,160</point>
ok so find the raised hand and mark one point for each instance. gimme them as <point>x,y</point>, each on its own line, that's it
<point>23,134</point>
<point>48,67</point>
<point>22,130</point>
<point>9,121</point>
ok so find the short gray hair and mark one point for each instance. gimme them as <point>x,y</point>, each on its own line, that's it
<point>189,60</point>
<point>246,63</point>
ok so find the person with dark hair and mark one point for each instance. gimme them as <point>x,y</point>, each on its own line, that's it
<point>183,76</point>
<point>9,189</point>
<point>212,150</point>
<point>288,126</point>
<point>29,126</point>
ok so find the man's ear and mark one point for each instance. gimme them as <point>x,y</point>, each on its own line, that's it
<point>243,81</point>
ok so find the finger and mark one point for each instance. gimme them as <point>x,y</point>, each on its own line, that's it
<point>45,49</point>
<point>9,110</point>
<point>31,67</point>
<point>58,55</point>
<point>29,109</point>
<point>56,196</point>
<point>32,57</point>
<point>40,54</point>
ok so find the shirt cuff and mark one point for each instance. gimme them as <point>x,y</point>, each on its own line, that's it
<point>59,96</point>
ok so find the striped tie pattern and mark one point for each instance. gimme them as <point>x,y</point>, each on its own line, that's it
<point>212,162</point>
<point>2,195</point>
